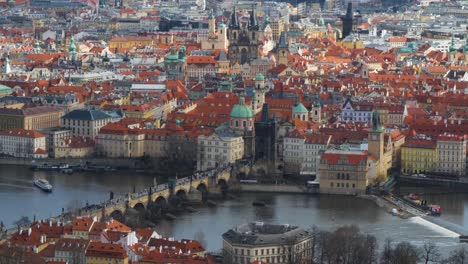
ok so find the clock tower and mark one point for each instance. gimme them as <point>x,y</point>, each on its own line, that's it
<point>376,142</point>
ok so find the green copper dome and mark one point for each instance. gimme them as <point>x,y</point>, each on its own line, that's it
<point>241,110</point>
<point>299,109</point>
<point>72,46</point>
<point>453,47</point>
<point>259,77</point>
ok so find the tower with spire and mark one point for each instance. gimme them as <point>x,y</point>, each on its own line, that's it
<point>243,38</point>
<point>453,51</point>
<point>72,49</point>
<point>347,21</point>
<point>6,65</point>
<point>217,37</point>
<point>375,142</point>
<point>265,141</point>
<point>282,49</point>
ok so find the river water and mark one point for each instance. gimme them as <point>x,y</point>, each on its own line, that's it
<point>19,197</point>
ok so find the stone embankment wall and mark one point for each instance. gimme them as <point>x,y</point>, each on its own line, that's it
<point>276,188</point>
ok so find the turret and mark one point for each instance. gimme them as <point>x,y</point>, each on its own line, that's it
<point>282,50</point>
<point>253,18</point>
<point>453,51</point>
<point>299,111</point>
<point>234,19</point>
<point>7,67</point>
<point>316,112</point>
<point>211,24</point>
<point>72,49</point>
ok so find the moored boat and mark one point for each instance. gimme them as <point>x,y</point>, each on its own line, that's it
<point>258,203</point>
<point>43,185</point>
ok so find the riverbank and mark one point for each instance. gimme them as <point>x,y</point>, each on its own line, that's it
<point>127,162</point>
<point>273,188</point>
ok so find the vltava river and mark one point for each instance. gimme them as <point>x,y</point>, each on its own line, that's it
<point>19,197</point>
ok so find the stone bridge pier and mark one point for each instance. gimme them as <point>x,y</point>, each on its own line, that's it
<point>190,188</point>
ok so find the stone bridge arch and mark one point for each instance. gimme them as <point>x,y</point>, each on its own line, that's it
<point>181,194</point>
<point>140,207</point>
<point>160,202</point>
<point>118,215</point>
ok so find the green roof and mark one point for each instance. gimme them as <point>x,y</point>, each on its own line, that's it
<point>259,77</point>
<point>172,57</point>
<point>241,110</point>
<point>5,89</point>
<point>72,46</point>
<point>299,108</point>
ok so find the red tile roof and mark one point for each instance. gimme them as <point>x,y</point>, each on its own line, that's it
<point>352,157</point>
<point>17,132</point>
<point>104,250</point>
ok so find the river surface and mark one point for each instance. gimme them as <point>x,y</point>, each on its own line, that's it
<point>18,197</point>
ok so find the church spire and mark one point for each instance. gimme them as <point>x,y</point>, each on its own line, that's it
<point>7,65</point>
<point>376,122</point>
<point>234,19</point>
<point>253,18</point>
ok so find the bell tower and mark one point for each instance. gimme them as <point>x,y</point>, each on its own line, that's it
<point>282,50</point>
<point>376,143</point>
<point>453,52</point>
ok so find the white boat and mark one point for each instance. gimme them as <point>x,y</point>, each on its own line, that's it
<point>43,185</point>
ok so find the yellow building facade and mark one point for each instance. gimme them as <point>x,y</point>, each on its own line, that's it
<point>419,156</point>
<point>344,172</point>
<point>128,42</point>
<point>33,118</point>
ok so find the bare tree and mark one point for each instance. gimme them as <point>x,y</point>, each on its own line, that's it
<point>458,256</point>
<point>402,253</point>
<point>430,253</point>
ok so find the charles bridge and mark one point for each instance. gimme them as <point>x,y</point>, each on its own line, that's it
<point>191,188</point>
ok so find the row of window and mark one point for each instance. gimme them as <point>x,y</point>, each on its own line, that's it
<point>342,185</point>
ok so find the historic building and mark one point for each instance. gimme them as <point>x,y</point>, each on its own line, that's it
<point>75,147</point>
<point>377,148</point>
<point>85,123</point>
<point>242,123</point>
<point>217,37</point>
<point>219,149</point>
<point>22,143</point>
<point>451,152</point>
<point>243,38</point>
<point>356,111</point>
<point>347,21</point>
<point>344,172</point>
<point>302,152</point>
<point>419,155</point>
<point>31,117</point>
<point>175,63</point>
<point>265,136</point>
<point>266,243</point>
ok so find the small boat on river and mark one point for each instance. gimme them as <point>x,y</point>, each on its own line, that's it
<point>43,185</point>
<point>258,203</point>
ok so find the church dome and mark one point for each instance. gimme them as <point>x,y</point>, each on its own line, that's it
<point>241,110</point>
<point>72,46</point>
<point>299,109</point>
<point>259,77</point>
